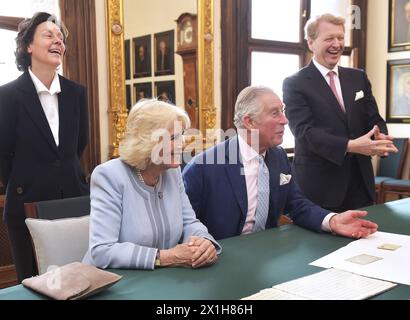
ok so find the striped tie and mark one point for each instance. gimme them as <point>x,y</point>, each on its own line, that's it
<point>262,208</point>
<point>332,84</point>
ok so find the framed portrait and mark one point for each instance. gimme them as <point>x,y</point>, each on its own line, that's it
<point>165,91</point>
<point>142,91</point>
<point>127,57</point>
<point>399,25</point>
<point>164,53</point>
<point>398,91</point>
<point>142,56</point>
<point>128,96</point>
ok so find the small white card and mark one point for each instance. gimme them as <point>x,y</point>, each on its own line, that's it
<point>363,259</point>
<point>389,246</point>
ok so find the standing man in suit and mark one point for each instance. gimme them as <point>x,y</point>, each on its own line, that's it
<point>163,62</point>
<point>335,120</point>
<point>142,62</point>
<point>43,132</point>
<point>244,184</point>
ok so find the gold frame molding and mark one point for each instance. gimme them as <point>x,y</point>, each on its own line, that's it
<point>117,110</point>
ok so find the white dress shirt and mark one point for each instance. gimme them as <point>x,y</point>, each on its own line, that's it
<point>49,101</point>
<point>325,73</point>
<point>251,168</point>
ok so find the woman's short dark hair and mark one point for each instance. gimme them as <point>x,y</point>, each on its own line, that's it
<point>25,36</point>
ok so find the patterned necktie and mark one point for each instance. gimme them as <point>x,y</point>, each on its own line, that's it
<point>262,208</point>
<point>331,75</point>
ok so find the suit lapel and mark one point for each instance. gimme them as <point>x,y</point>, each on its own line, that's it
<point>348,90</point>
<point>65,111</point>
<point>32,105</point>
<point>324,89</point>
<point>235,175</point>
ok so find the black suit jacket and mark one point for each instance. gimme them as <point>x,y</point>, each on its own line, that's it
<point>32,167</point>
<point>322,131</point>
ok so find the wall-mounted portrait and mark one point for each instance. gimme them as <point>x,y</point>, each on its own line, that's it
<point>142,56</point>
<point>128,97</point>
<point>127,56</point>
<point>164,53</point>
<point>165,91</point>
<point>142,91</point>
<point>399,25</point>
<point>398,91</point>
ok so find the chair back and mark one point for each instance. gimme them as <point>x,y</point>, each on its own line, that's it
<point>59,208</point>
<point>392,166</point>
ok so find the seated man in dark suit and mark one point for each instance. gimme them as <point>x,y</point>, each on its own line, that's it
<point>244,184</point>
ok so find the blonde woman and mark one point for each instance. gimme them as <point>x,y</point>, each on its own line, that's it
<point>140,214</point>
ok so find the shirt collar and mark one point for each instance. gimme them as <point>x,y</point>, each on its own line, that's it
<point>40,87</point>
<point>247,152</point>
<point>323,70</point>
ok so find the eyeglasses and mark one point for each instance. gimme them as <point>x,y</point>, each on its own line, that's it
<point>178,136</point>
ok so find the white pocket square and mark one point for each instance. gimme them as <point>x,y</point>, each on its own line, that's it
<point>359,95</point>
<point>284,179</point>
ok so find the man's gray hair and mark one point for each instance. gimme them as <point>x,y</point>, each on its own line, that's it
<point>248,103</point>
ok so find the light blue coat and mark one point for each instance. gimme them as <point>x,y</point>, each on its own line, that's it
<point>130,221</point>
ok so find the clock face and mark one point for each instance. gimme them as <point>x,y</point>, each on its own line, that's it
<point>187,33</point>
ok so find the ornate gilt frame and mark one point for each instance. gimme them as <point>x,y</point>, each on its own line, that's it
<point>117,109</point>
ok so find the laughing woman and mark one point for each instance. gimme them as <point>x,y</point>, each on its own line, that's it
<point>140,214</point>
<point>43,132</point>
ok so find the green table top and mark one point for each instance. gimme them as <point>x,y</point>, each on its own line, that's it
<point>248,264</point>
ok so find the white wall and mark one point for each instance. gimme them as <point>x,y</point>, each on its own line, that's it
<point>376,62</point>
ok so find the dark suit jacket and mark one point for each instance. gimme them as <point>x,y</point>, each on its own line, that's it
<point>32,167</point>
<point>322,131</point>
<point>167,64</point>
<point>219,198</point>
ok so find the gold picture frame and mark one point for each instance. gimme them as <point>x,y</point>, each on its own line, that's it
<point>115,42</point>
<point>398,91</point>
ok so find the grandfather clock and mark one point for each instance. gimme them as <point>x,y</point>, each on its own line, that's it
<point>187,46</point>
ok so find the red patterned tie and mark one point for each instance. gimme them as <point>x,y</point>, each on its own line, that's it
<point>331,75</point>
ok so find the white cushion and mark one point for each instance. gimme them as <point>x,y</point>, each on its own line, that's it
<point>58,242</point>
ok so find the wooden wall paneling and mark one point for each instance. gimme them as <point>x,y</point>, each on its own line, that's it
<point>8,275</point>
<point>80,65</point>
<point>235,52</point>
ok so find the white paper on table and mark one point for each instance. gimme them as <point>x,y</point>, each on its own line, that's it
<point>331,284</point>
<point>274,294</point>
<point>394,266</point>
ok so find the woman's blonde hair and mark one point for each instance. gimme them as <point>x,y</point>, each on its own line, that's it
<point>145,118</point>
